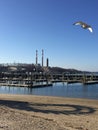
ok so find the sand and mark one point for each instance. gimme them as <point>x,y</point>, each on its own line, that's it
<point>26,112</point>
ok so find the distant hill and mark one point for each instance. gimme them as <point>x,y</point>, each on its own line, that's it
<point>33,68</point>
<point>59,70</point>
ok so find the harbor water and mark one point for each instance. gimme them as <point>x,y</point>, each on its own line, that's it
<point>75,90</point>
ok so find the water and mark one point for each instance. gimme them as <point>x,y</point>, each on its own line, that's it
<point>76,90</point>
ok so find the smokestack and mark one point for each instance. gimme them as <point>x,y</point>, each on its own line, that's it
<point>47,62</point>
<point>36,57</point>
<point>42,58</point>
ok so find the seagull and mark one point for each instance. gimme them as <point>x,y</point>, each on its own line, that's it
<point>84,25</point>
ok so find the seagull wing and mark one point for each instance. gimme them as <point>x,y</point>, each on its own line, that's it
<point>78,23</point>
<point>90,29</point>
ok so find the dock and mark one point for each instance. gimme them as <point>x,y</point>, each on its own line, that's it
<point>34,80</point>
<point>27,85</point>
<point>90,82</point>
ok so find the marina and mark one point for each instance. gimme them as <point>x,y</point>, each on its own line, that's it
<point>44,80</point>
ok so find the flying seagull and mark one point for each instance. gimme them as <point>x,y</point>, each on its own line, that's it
<point>84,25</point>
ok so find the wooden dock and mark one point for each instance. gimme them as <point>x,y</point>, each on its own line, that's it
<point>73,81</point>
<point>44,80</point>
<point>27,85</point>
<point>90,82</point>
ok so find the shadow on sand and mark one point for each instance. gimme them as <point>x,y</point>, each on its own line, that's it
<point>48,108</point>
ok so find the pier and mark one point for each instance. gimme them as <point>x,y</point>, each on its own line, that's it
<point>43,80</point>
<point>26,85</point>
<point>24,82</point>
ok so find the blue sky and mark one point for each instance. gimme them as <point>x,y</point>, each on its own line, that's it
<point>30,25</point>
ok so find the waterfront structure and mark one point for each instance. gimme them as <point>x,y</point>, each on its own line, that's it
<point>37,79</point>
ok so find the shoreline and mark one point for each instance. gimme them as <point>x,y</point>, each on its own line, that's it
<point>47,113</point>
<point>10,95</point>
<point>54,96</point>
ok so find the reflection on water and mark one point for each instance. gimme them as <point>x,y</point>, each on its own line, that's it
<point>76,90</point>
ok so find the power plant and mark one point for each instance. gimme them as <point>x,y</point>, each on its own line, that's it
<point>42,59</point>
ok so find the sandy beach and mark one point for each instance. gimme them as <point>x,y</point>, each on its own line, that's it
<point>26,112</point>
